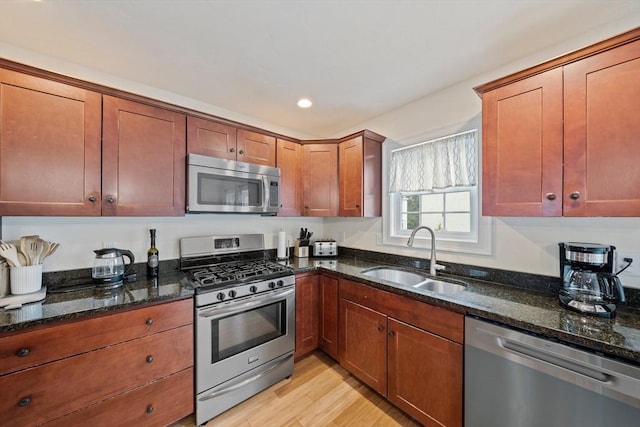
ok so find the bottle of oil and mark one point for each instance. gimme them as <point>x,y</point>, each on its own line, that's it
<point>152,256</point>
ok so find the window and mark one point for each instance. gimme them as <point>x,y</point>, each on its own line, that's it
<point>434,183</point>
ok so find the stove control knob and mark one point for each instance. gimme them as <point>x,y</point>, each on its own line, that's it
<point>253,289</point>
<point>232,294</point>
<point>220,296</point>
<point>280,283</point>
<point>272,285</point>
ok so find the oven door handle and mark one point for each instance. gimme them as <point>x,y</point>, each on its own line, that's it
<point>216,313</point>
<point>269,368</point>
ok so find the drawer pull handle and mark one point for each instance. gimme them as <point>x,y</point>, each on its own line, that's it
<point>22,352</point>
<point>149,359</point>
<point>149,321</point>
<point>24,402</point>
<point>149,409</point>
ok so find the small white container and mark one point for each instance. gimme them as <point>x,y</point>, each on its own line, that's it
<point>25,280</point>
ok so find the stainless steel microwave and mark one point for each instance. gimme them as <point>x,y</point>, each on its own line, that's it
<point>225,186</point>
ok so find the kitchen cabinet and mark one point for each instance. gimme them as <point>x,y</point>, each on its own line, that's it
<point>211,138</point>
<point>320,187</point>
<point>406,350</point>
<point>306,314</point>
<point>49,147</point>
<point>289,160</point>
<point>328,315</point>
<point>143,159</point>
<point>131,365</point>
<point>559,139</point>
<point>360,175</point>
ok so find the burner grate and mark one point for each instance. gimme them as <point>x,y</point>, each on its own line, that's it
<point>236,271</point>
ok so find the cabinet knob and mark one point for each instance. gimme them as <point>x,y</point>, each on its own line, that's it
<point>149,321</point>
<point>92,199</point>
<point>358,206</point>
<point>24,402</point>
<point>110,199</point>
<point>391,333</point>
<point>306,207</point>
<point>575,195</point>
<point>551,196</point>
<point>232,150</point>
<point>149,409</point>
<point>241,152</point>
<point>380,328</point>
<point>22,352</point>
<point>149,359</point>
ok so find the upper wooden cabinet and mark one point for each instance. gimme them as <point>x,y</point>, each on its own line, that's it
<point>289,160</point>
<point>561,138</point>
<point>143,157</point>
<point>360,172</point>
<point>320,193</point>
<point>49,147</point>
<point>211,138</point>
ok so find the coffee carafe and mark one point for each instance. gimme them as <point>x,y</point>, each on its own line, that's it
<point>109,268</point>
<point>589,284</point>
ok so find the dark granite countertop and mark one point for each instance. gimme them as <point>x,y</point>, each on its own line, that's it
<point>536,312</point>
<point>84,302</point>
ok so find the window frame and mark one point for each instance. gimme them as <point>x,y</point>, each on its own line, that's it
<point>478,241</point>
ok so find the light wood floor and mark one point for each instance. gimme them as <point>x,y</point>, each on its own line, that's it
<point>320,393</point>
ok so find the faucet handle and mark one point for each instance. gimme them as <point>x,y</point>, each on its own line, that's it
<point>440,267</point>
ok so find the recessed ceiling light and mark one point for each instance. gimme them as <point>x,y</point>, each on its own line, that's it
<point>304,103</point>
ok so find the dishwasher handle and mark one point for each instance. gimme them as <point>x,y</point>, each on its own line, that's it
<point>555,359</point>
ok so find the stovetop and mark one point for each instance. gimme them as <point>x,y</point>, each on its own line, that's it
<point>230,273</point>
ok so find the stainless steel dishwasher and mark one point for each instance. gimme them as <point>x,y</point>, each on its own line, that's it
<point>514,379</point>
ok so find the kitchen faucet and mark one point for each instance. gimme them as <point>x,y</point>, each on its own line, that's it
<point>432,264</point>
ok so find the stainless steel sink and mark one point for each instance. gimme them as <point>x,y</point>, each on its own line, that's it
<point>410,279</point>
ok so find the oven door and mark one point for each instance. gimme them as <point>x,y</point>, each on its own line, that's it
<point>243,335</point>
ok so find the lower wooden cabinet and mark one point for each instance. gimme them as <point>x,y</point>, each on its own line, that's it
<point>137,373</point>
<point>306,314</point>
<point>328,315</point>
<point>406,350</point>
<point>424,375</point>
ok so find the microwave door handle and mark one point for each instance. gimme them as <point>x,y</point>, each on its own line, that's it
<point>216,313</point>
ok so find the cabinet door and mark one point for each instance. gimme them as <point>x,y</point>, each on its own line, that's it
<point>209,138</point>
<point>602,125</point>
<point>256,148</point>
<point>143,159</point>
<point>350,165</point>
<point>306,314</point>
<point>362,344</point>
<point>425,375</point>
<point>49,147</point>
<point>320,193</point>
<point>328,316</point>
<point>289,160</point>
<point>522,147</point>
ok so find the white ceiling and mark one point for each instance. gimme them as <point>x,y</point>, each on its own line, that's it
<point>356,59</point>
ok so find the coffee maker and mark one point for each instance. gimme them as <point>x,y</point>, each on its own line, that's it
<point>589,283</point>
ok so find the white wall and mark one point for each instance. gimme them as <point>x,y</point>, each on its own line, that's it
<point>519,244</point>
<point>79,236</point>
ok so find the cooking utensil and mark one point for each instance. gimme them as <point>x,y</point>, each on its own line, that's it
<point>10,253</point>
<point>52,248</point>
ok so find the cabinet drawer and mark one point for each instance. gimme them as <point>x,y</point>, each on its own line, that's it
<point>27,349</point>
<point>159,403</point>
<point>46,392</point>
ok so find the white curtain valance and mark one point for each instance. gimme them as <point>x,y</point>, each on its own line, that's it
<point>435,165</point>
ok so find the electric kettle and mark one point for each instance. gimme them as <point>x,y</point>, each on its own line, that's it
<point>109,268</point>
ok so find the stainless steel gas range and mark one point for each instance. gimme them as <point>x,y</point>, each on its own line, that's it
<point>244,319</point>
